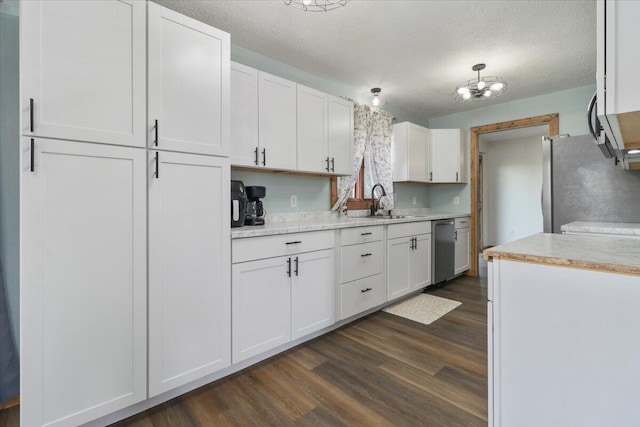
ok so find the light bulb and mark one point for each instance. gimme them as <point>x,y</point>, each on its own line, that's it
<point>497,86</point>
<point>481,84</point>
<point>463,90</point>
<point>487,93</point>
<point>376,101</point>
<point>466,95</point>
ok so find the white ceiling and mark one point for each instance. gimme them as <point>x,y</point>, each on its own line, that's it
<point>417,51</point>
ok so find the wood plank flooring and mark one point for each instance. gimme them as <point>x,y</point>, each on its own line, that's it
<point>381,370</point>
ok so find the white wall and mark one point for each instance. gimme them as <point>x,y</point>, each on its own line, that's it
<point>513,181</point>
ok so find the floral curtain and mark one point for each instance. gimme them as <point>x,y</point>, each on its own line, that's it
<point>372,144</point>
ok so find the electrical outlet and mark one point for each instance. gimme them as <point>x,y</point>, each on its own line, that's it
<point>414,201</point>
<point>294,201</point>
<point>456,200</point>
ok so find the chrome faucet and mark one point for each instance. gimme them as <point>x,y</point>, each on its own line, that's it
<point>373,197</point>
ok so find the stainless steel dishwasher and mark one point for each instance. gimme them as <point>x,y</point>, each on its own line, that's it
<point>443,250</point>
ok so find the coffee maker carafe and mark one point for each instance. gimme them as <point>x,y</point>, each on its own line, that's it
<point>255,212</point>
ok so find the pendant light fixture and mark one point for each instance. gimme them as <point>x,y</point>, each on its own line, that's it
<point>481,88</point>
<point>376,100</point>
<point>316,5</point>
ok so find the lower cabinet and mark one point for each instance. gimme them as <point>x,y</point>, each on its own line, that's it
<point>462,246</point>
<point>408,259</point>
<point>189,268</point>
<point>276,300</point>
<point>83,304</point>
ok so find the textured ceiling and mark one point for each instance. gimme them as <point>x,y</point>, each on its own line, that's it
<point>418,51</point>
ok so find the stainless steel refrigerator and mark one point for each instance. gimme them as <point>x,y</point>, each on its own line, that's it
<point>580,184</point>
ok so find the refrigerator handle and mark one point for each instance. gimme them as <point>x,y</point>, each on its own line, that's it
<point>546,196</point>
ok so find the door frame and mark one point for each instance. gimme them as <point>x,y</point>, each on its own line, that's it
<point>553,123</point>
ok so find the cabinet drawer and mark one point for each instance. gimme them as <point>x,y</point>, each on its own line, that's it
<point>360,261</point>
<point>352,236</point>
<point>361,295</point>
<point>408,229</point>
<point>254,248</point>
<point>463,222</point>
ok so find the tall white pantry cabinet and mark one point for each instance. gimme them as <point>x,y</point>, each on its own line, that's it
<point>106,276</point>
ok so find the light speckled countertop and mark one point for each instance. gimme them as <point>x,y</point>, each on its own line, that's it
<point>328,222</point>
<point>621,228</point>
<point>603,253</point>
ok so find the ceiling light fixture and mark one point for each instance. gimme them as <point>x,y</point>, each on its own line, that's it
<point>481,88</point>
<point>316,5</point>
<point>376,101</point>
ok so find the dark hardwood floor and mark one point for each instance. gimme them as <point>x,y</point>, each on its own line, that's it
<point>381,370</point>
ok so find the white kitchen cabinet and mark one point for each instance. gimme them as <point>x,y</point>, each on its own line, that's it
<point>408,258</point>
<point>447,157</point>
<point>189,268</point>
<point>341,135</point>
<point>410,153</point>
<point>83,70</point>
<point>83,280</point>
<point>325,132</point>
<point>276,122</point>
<point>563,347</point>
<point>312,292</point>
<point>462,245</point>
<point>244,115</point>
<point>188,84</point>
<point>261,306</point>
<point>618,67</point>
<point>277,299</point>
<point>313,138</point>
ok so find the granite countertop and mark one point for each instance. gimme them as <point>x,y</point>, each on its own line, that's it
<point>621,228</point>
<point>602,253</point>
<point>329,221</point>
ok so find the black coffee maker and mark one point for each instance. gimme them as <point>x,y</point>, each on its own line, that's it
<point>238,203</point>
<point>255,212</point>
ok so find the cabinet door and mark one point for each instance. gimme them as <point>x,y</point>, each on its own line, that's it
<point>83,281</point>
<point>313,151</point>
<point>189,268</point>
<point>420,272</point>
<point>418,153</point>
<point>312,292</point>
<point>462,249</point>
<point>188,84</point>
<point>341,135</point>
<point>261,306</point>
<point>244,115</point>
<point>276,122</point>
<point>398,267</point>
<point>83,65</point>
<point>445,155</point>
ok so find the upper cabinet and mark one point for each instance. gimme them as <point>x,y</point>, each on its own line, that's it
<point>410,153</point>
<point>188,84</point>
<point>276,122</point>
<point>313,138</point>
<point>325,132</point>
<point>617,71</point>
<point>263,119</point>
<point>244,115</point>
<point>83,70</point>
<point>341,135</point>
<point>447,156</point>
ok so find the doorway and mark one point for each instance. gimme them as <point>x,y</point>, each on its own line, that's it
<point>550,121</point>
